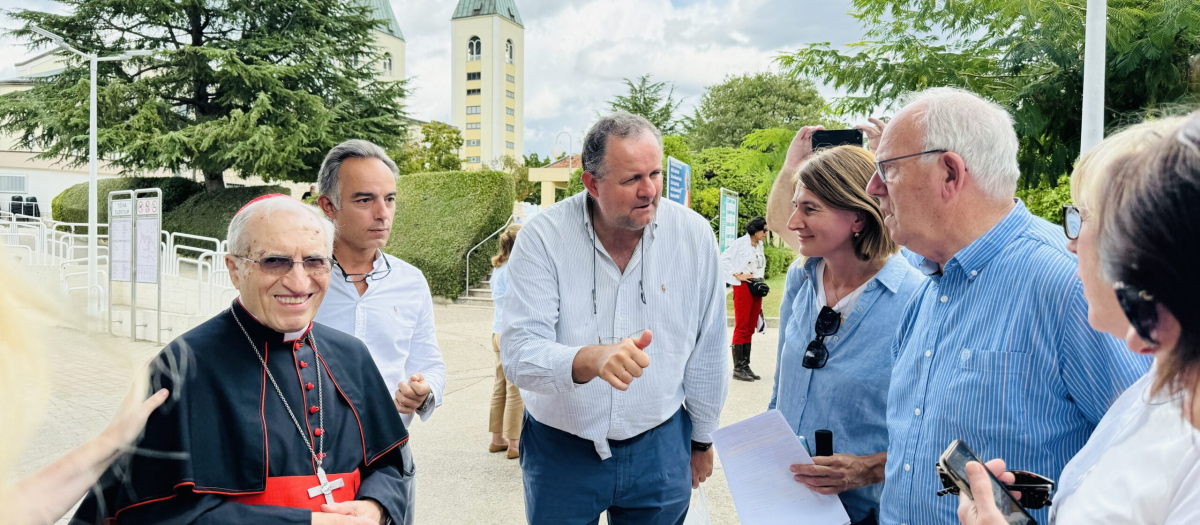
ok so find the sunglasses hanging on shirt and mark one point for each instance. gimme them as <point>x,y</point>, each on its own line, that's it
<point>828,323</point>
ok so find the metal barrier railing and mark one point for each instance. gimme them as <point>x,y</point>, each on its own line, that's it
<point>467,286</point>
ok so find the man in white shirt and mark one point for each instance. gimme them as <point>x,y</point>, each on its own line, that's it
<point>373,296</point>
<point>615,333</point>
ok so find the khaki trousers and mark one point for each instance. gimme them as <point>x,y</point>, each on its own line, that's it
<point>507,407</point>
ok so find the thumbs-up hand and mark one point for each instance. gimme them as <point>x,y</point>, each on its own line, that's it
<point>410,395</point>
<point>617,364</point>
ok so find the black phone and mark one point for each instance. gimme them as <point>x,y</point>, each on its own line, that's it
<point>953,463</point>
<point>829,138</point>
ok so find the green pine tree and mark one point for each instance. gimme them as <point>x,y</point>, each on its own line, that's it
<point>254,87</point>
<point>646,98</point>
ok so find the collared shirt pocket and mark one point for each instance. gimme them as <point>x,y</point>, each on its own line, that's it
<point>990,388</point>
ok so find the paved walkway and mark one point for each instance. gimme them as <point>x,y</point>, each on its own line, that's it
<point>458,481</point>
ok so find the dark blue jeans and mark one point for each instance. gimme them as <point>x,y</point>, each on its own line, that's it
<point>648,479</point>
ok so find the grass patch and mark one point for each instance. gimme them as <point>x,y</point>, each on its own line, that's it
<point>771,302</point>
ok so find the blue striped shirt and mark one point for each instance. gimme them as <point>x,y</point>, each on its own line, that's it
<point>996,351</point>
<point>849,394</point>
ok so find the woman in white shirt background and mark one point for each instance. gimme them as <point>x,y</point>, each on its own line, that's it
<point>504,419</point>
<point>742,262</point>
<point>1133,225</point>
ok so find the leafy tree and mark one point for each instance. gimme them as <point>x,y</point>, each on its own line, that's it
<point>729,111</point>
<point>533,161</point>
<point>255,87</point>
<point>526,191</point>
<point>1027,56</point>
<point>646,98</point>
<point>436,150</point>
<point>1046,201</point>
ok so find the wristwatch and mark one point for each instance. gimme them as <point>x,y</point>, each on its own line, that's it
<point>427,403</point>
<point>700,447</point>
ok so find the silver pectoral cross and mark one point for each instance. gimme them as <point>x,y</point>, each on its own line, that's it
<point>325,487</point>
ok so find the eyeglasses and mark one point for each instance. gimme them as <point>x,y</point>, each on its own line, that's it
<point>283,265</point>
<point>373,275</point>
<point>1072,221</point>
<point>879,163</point>
<point>828,323</point>
<point>1140,308</point>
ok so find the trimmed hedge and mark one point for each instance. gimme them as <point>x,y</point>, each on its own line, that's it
<point>208,213</point>
<point>778,259</point>
<point>440,216</point>
<point>71,204</point>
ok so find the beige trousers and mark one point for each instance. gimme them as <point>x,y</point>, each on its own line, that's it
<point>507,407</point>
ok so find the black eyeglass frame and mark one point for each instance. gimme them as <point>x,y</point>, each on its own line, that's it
<point>1070,211</point>
<point>373,275</point>
<point>274,264</point>
<point>827,324</point>
<point>1141,309</point>
<point>879,163</point>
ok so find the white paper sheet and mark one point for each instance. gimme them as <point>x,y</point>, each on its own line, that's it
<point>757,455</point>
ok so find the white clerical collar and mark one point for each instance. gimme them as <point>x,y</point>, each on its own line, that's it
<point>292,336</point>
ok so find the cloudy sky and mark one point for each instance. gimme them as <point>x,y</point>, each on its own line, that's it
<point>578,51</point>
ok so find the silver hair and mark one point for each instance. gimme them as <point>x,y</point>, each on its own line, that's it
<point>979,131</point>
<point>329,177</point>
<point>240,237</point>
<point>621,125</point>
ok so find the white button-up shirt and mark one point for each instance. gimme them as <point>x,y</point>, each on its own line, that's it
<point>549,317</point>
<point>394,317</point>
<point>742,257</point>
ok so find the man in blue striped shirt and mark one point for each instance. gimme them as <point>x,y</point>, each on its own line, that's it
<point>995,348</point>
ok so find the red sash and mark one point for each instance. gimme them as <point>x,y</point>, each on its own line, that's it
<point>292,491</point>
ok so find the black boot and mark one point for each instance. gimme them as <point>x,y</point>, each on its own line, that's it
<point>746,361</point>
<point>739,372</point>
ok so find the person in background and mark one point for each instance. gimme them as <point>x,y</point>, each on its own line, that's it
<point>742,262</point>
<point>841,307</point>
<point>374,296</point>
<point>994,349</point>
<point>504,421</point>
<point>1142,464</point>
<point>43,497</point>
<point>312,190</point>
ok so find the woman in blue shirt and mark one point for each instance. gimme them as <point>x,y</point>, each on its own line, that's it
<point>842,306</point>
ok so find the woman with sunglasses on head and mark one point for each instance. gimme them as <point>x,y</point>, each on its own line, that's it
<point>841,307</point>
<point>1134,226</point>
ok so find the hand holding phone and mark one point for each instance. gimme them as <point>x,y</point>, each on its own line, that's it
<point>989,493</point>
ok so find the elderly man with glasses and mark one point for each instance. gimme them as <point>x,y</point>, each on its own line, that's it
<point>374,296</point>
<point>224,448</point>
<point>995,348</point>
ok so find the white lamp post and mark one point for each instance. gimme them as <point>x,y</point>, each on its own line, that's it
<point>1092,131</point>
<point>92,164</point>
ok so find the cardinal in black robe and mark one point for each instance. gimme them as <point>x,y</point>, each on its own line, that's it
<point>226,447</point>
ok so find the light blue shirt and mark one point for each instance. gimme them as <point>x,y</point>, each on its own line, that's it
<point>499,283</point>
<point>849,395</point>
<point>996,351</point>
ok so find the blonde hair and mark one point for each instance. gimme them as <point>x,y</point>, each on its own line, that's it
<point>839,177</point>
<point>1091,176</point>
<point>507,239</point>
<point>24,378</point>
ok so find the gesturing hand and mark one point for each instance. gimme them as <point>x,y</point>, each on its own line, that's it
<point>409,396</point>
<point>617,364</point>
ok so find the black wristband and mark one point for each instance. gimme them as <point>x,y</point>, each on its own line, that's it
<point>700,447</point>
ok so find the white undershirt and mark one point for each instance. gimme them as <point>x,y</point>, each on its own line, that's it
<point>846,303</point>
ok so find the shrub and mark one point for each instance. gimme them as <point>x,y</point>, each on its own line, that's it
<point>208,213</point>
<point>440,216</point>
<point>778,259</point>
<point>1046,202</point>
<point>71,204</point>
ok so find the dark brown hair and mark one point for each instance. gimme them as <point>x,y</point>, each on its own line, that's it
<point>1150,238</point>
<point>839,176</point>
<point>507,238</point>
